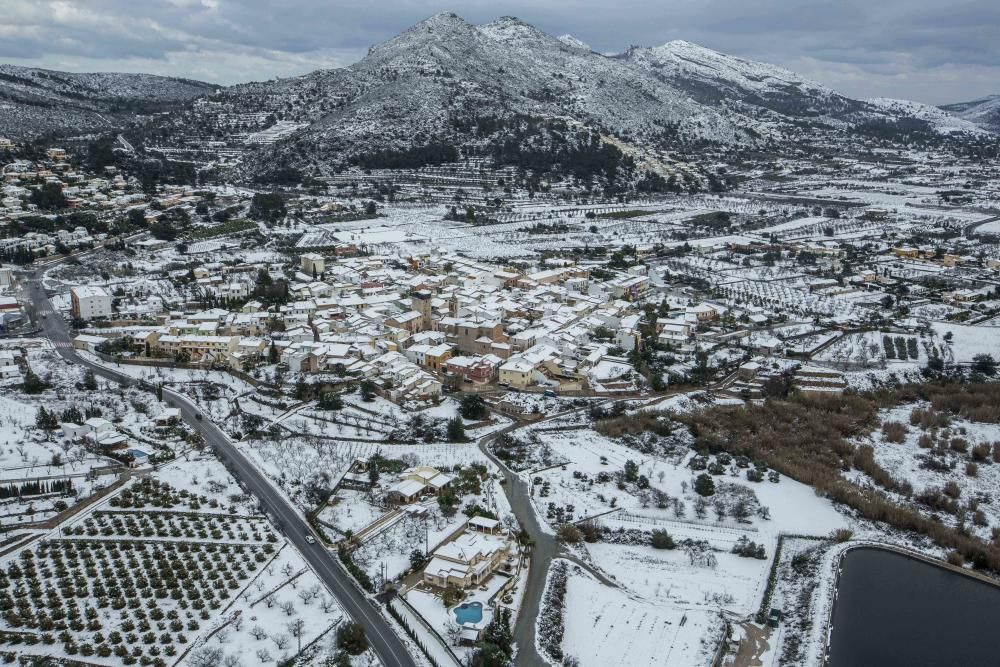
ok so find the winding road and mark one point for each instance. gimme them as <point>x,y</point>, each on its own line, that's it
<point>383,640</point>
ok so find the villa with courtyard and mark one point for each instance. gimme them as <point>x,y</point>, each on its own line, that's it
<point>468,560</point>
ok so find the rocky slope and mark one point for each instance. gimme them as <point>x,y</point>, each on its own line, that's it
<point>444,75</point>
<point>984,112</point>
<point>38,101</point>
<point>446,85</point>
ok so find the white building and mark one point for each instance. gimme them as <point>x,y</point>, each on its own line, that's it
<point>90,302</point>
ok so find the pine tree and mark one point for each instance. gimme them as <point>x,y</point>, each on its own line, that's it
<point>456,430</point>
<point>89,380</point>
<point>45,420</point>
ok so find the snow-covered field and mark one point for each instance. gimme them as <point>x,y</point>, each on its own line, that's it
<point>214,575</point>
<point>606,626</point>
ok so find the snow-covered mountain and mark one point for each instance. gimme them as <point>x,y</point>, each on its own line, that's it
<point>438,82</point>
<point>38,101</point>
<point>445,84</point>
<point>984,112</point>
<point>939,120</point>
<point>444,73</point>
<point>715,78</point>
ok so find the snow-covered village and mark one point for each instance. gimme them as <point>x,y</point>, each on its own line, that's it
<point>349,368</point>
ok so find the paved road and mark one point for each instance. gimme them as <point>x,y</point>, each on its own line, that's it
<point>389,648</point>
<point>970,230</point>
<point>545,546</point>
<point>543,550</point>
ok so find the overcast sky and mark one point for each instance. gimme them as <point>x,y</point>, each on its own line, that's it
<point>928,50</point>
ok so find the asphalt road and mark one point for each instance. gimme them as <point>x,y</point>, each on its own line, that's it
<point>544,548</point>
<point>389,648</point>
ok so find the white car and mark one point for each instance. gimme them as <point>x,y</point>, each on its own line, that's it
<point>310,539</point>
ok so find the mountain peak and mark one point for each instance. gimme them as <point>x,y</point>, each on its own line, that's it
<point>442,18</point>
<point>513,29</point>
<point>441,22</point>
<point>681,60</point>
<point>570,40</point>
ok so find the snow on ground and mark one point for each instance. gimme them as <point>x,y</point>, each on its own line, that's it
<point>350,510</point>
<point>967,341</point>
<point>667,577</point>
<point>606,626</point>
<point>793,506</point>
<point>927,469</point>
<point>181,376</point>
<point>244,591</point>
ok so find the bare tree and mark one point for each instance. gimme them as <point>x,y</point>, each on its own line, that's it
<point>288,607</point>
<point>297,629</point>
<point>258,632</point>
<point>270,600</point>
<point>280,641</point>
<point>453,632</point>
<point>327,604</point>
<point>232,661</point>
<point>263,655</point>
<point>305,595</point>
<point>208,656</point>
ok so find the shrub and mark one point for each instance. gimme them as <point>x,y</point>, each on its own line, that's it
<point>841,535</point>
<point>704,485</point>
<point>661,539</point>
<point>894,431</point>
<point>351,638</point>
<point>981,453</point>
<point>591,531</point>
<point>473,407</point>
<point>452,596</point>
<point>569,534</point>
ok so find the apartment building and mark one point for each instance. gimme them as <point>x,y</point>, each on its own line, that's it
<point>88,303</point>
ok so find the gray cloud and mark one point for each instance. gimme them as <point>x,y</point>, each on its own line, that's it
<point>920,49</point>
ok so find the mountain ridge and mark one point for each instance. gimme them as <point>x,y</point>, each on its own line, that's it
<point>445,82</point>
<point>35,101</point>
<point>983,111</point>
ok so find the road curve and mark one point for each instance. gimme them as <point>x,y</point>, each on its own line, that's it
<point>386,644</point>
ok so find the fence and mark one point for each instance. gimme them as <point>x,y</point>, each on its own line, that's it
<point>698,525</point>
<point>166,363</point>
<point>440,647</point>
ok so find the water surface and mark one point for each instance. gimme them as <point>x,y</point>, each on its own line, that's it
<point>893,610</point>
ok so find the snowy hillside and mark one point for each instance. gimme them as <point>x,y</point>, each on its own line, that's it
<point>941,121</point>
<point>35,101</point>
<point>444,70</point>
<point>447,82</point>
<point>984,112</point>
<point>712,77</point>
<point>449,87</point>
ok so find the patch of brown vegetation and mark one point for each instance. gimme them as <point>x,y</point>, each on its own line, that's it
<point>807,438</point>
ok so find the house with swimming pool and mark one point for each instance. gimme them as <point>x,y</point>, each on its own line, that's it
<point>468,560</point>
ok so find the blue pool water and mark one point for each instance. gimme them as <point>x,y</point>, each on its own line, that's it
<point>469,612</point>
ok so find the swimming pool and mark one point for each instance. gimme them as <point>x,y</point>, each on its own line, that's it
<point>469,612</point>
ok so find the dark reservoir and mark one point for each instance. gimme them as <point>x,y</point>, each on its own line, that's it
<point>895,611</point>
